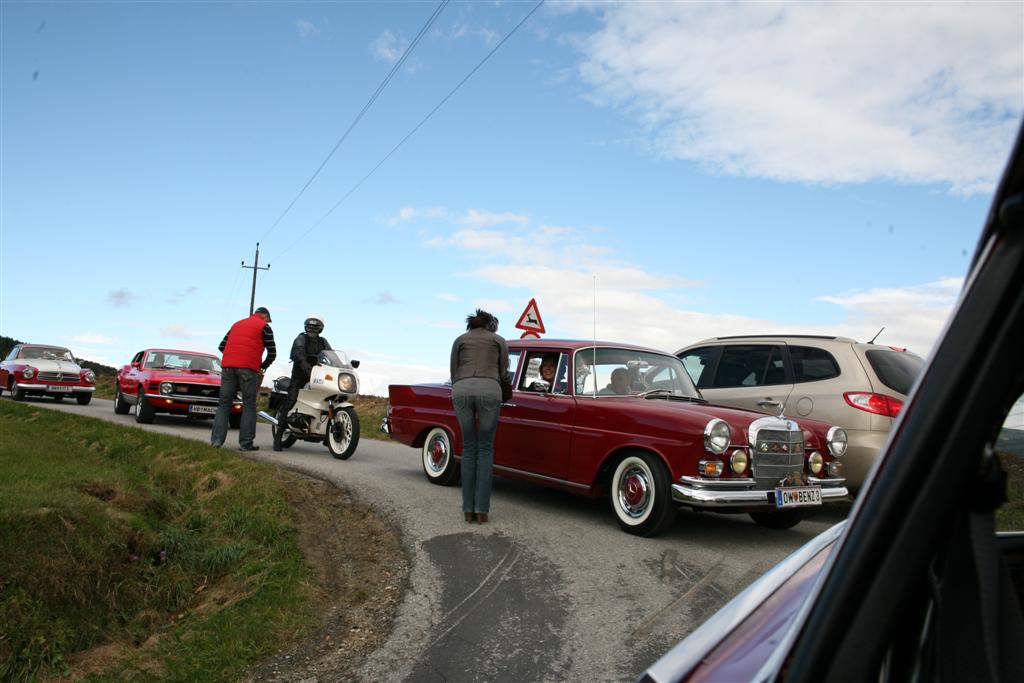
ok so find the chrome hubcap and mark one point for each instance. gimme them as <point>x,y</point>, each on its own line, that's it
<point>437,454</point>
<point>634,491</point>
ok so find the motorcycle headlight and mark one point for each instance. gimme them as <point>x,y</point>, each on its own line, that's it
<point>90,376</point>
<point>717,436</point>
<point>29,372</point>
<point>838,442</point>
<point>347,383</point>
<point>166,387</point>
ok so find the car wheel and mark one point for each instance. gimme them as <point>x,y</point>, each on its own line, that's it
<point>144,412</point>
<point>58,397</point>
<point>83,399</point>
<point>640,495</point>
<point>781,519</point>
<point>235,420</point>
<point>343,434</point>
<point>16,393</point>
<point>121,406</point>
<point>438,460</point>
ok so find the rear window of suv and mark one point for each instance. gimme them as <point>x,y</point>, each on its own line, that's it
<point>896,369</point>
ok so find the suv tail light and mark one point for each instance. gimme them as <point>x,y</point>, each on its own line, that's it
<point>874,403</point>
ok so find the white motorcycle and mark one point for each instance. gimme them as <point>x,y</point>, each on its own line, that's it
<point>322,412</point>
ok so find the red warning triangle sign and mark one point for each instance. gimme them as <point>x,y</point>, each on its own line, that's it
<point>530,319</point>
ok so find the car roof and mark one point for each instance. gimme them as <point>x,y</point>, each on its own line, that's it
<point>576,344</point>
<point>822,340</point>
<point>43,346</point>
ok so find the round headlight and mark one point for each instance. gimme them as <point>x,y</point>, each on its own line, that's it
<point>837,442</point>
<point>816,462</point>
<point>717,436</point>
<point>166,387</point>
<point>738,461</point>
<point>90,376</point>
<point>29,372</point>
<point>347,383</point>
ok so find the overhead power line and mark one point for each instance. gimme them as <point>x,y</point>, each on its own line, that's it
<point>411,132</point>
<point>369,103</point>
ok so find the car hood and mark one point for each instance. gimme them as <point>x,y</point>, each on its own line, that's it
<point>185,376</point>
<point>47,365</point>
<point>745,640</point>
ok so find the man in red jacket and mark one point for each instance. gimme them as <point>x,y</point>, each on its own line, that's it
<point>243,365</point>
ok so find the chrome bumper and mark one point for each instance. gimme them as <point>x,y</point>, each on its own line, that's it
<point>43,388</point>
<point>740,493</point>
<point>385,426</point>
<point>180,398</point>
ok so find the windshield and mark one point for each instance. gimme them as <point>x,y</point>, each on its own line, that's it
<point>628,372</point>
<point>191,362</point>
<point>46,353</point>
<point>336,359</point>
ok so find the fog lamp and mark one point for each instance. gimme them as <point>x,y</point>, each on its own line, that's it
<point>738,461</point>
<point>166,387</point>
<point>816,462</point>
<point>835,469</point>
<point>711,468</point>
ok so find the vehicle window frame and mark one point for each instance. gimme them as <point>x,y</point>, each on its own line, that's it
<point>710,370</point>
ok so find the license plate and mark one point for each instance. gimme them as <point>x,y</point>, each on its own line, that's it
<point>54,387</point>
<point>204,410</point>
<point>797,496</point>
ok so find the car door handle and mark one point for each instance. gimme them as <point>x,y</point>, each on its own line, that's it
<point>510,405</point>
<point>766,402</point>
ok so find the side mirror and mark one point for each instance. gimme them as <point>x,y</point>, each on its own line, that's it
<point>135,363</point>
<point>540,385</point>
<point>355,364</point>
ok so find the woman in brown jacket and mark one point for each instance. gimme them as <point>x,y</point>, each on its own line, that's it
<point>478,362</point>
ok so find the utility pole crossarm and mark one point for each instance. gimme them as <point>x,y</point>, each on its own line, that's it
<point>255,267</point>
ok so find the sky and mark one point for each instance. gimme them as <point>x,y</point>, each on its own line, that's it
<point>659,173</point>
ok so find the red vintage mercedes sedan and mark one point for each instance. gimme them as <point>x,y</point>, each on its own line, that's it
<point>171,381</point>
<point>44,370</point>
<point>627,422</point>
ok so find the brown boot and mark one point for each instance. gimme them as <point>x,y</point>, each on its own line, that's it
<point>481,517</point>
<point>469,517</point>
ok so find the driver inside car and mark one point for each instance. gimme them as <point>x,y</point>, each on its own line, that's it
<point>619,385</point>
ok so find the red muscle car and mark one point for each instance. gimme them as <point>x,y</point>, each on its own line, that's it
<point>627,422</point>
<point>171,381</point>
<point>43,370</point>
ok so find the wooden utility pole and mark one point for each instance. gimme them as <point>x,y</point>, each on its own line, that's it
<point>255,266</point>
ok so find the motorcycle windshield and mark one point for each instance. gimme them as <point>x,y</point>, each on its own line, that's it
<point>335,359</point>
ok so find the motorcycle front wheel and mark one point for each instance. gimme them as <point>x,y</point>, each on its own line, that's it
<point>343,434</point>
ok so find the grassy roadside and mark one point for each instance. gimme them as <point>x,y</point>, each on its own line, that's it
<point>1010,515</point>
<point>133,554</point>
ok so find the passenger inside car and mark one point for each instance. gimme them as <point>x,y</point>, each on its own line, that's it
<point>619,385</point>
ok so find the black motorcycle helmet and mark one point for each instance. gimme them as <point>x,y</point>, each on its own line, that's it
<point>314,325</point>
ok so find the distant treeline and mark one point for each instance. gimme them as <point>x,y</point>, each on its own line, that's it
<point>101,370</point>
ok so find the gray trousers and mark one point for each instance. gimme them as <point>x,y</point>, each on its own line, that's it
<point>233,380</point>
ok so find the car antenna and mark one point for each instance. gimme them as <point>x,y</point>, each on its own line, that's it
<point>595,337</point>
<point>876,336</point>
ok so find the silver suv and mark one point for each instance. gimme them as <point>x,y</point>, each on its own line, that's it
<point>860,387</point>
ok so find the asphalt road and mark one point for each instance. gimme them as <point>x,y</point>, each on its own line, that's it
<point>550,589</point>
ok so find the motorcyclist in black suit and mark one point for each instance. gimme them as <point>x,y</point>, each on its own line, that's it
<point>305,349</point>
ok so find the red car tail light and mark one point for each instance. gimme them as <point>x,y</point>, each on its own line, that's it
<point>874,403</point>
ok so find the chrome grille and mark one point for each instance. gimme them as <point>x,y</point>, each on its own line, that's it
<point>58,376</point>
<point>777,451</point>
<point>207,391</point>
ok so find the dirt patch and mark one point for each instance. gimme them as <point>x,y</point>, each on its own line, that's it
<point>362,570</point>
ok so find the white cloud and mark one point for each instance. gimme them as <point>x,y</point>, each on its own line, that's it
<point>121,298</point>
<point>93,338</point>
<point>387,47</point>
<point>181,331</point>
<point>446,296</point>
<point>306,28</point>
<point>818,92</point>
<point>408,213</point>
<point>376,375</point>
<point>382,297</point>
<point>483,219</point>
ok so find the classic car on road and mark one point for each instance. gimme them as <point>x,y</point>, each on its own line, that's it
<point>627,422</point>
<point>43,370</point>
<point>171,381</point>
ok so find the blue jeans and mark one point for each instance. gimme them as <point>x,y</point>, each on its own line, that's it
<point>231,381</point>
<point>478,422</point>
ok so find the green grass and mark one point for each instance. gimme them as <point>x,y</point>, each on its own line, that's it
<point>1010,515</point>
<point>371,410</point>
<point>139,555</point>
